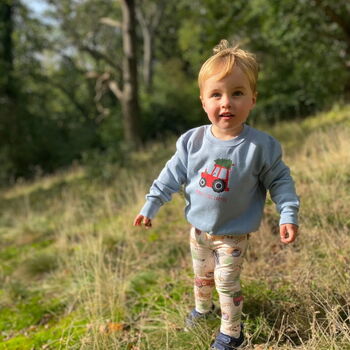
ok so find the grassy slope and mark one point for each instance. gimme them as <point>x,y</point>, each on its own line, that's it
<point>75,274</point>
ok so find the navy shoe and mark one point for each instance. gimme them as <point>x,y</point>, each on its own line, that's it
<point>194,317</point>
<point>225,342</point>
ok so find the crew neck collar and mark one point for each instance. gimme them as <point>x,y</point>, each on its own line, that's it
<point>227,143</point>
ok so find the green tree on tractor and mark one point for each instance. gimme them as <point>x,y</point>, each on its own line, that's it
<point>219,177</point>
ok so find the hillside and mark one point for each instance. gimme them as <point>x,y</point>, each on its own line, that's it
<point>75,274</point>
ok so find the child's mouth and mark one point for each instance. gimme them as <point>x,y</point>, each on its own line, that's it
<point>226,115</point>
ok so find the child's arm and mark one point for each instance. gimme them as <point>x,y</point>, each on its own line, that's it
<point>168,182</point>
<point>277,179</point>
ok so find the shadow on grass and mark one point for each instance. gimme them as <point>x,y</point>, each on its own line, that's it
<point>277,315</point>
<point>283,316</point>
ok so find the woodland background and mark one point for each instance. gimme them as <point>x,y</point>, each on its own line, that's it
<point>87,81</point>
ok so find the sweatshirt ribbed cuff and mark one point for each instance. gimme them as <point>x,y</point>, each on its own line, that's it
<point>289,215</point>
<point>150,209</point>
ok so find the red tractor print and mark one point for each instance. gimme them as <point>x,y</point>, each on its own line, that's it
<point>218,178</point>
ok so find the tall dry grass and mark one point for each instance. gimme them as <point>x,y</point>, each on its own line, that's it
<point>297,296</point>
<point>127,288</point>
<point>315,270</point>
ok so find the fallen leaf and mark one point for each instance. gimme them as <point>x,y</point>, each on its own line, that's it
<point>111,327</point>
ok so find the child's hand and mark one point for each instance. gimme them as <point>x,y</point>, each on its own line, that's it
<point>288,233</point>
<point>140,219</point>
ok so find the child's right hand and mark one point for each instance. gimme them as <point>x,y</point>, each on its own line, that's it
<point>140,219</point>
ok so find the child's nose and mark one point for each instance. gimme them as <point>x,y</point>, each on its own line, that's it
<point>226,101</point>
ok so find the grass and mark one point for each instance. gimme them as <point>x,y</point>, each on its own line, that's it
<point>75,274</point>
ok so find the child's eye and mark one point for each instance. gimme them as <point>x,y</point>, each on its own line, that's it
<point>238,93</point>
<point>215,94</point>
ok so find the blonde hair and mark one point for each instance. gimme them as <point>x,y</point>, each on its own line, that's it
<point>224,59</point>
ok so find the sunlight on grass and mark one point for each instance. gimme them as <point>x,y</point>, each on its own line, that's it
<point>44,183</point>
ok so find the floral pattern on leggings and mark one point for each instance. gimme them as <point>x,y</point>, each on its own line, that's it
<point>217,261</point>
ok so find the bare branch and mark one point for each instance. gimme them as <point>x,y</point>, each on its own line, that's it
<point>140,16</point>
<point>99,55</point>
<point>158,15</point>
<point>150,19</point>
<point>92,75</point>
<point>113,85</point>
<point>110,22</point>
<point>103,82</point>
<point>100,89</point>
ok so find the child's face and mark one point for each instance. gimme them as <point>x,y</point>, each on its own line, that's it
<point>227,102</point>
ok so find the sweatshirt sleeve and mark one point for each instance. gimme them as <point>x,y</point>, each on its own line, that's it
<point>168,182</point>
<point>276,178</point>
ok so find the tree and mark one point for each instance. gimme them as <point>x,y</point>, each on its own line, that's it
<point>300,58</point>
<point>129,94</point>
<point>149,15</point>
<point>111,48</point>
<point>8,98</point>
<point>44,122</point>
<point>6,51</point>
<point>337,28</point>
<point>299,50</point>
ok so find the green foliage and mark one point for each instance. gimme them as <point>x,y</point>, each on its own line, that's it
<point>294,43</point>
<point>56,107</point>
<point>175,107</point>
<point>299,59</point>
<point>45,121</point>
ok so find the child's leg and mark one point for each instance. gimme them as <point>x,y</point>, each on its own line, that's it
<point>203,266</point>
<point>230,252</point>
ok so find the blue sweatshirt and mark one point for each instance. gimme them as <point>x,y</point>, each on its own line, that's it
<point>225,182</point>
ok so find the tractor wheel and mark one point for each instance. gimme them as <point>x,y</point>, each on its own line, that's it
<point>218,186</point>
<point>202,182</point>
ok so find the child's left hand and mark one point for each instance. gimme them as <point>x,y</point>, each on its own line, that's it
<point>288,233</point>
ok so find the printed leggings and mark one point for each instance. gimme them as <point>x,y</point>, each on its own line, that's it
<point>217,261</point>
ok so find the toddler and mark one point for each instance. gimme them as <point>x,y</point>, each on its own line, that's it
<point>226,168</point>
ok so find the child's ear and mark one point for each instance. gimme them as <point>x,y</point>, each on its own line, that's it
<point>203,104</point>
<point>255,95</point>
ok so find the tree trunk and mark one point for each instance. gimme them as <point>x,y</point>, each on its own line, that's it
<point>6,51</point>
<point>129,101</point>
<point>148,59</point>
<point>149,18</point>
<point>8,93</point>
